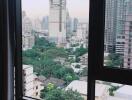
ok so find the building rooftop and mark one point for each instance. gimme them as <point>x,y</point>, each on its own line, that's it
<point>100,89</point>
<point>80,86</point>
<point>125,90</point>
<point>55,81</point>
<point>27,66</point>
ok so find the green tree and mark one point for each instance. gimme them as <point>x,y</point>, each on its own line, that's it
<point>72,95</point>
<point>114,60</point>
<point>112,89</point>
<point>41,44</point>
<point>42,56</point>
<point>60,94</point>
<point>80,51</point>
<point>68,78</point>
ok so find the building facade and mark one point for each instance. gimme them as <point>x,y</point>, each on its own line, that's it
<point>120,44</point>
<point>75,24</point>
<point>128,36</point>
<point>38,86</point>
<point>28,41</point>
<point>110,25</point>
<point>128,43</point>
<point>57,21</point>
<point>45,23</point>
<point>32,86</point>
<point>28,80</point>
<point>114,24</point>
<point>26,24</point>
<point>28,38</point>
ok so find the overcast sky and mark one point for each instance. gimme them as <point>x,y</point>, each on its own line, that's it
<point>40,8</point>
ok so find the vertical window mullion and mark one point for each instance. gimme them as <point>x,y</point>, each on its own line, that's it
<point>18,53</point>
<point>96,43</point>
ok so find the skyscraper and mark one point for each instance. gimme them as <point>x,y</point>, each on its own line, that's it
<point>120,26</point>
<point>28,38</point>
<point>45,23</point>
<point>57,21</point>
<point>75,24</point>
<point>114,24</point>
<point>37,24</point>
<point>68,25</point>
<point>110,25</point>
<point>26,24</point>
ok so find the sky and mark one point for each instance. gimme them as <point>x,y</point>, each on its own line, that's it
<point>39,8</point>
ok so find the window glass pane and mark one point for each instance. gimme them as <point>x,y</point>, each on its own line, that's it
<point>55,48</point>
<point>112,91</point>
<point>118,34</point>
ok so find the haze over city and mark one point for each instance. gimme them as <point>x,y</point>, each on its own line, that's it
<point>40,8</point>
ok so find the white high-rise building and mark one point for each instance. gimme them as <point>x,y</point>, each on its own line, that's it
<point>37,25</point>
<point>28,41</point>
<point>26,24</point>
<point>57,21</point>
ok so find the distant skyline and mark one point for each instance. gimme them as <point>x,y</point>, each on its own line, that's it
<point>39,8</point>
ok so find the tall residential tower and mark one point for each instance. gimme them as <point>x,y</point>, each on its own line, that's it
<point>57,21</point>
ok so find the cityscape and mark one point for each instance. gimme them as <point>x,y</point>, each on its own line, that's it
<point>55,52</point>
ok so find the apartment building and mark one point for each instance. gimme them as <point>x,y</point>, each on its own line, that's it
<point>37,87</point>
<point>31,84</point>
<point>128,42</point>
<point>28,78</point>
<point>114,23</point>
<point>120,44</point>
<point>28,41</point>
<point>101,90</point>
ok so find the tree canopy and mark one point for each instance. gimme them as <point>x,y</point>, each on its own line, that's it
<point>114,60</point>
<point>60,94</point>
<point>42,56</point>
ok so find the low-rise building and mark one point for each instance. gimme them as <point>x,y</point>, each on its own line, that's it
<point>79,86</point>
<point>32,86</point>
<point>124,92</point>
<point>101,92</point>
<point>77,67</point>
<point>38,86</point>
<point>28,78</point>
<point>84,59</point>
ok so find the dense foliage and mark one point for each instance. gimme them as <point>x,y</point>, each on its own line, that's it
<point>42,57</point>
<point>114,60</point>
<point>80,51</point>
<point>52,93</point>
<point>112,89</point>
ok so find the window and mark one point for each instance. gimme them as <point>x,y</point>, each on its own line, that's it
<point>11,28</point>
<point>99,11</point>
<point>36,87</point>
<point>55,47</point>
